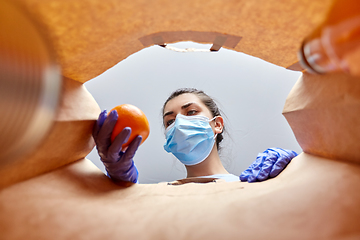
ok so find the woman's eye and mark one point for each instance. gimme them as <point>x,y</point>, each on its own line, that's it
<point>168,123</point>
<point>191,112</point>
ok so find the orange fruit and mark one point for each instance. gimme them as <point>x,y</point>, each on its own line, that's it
<point>133,117</point>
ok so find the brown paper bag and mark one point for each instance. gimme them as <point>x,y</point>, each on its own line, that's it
<point>323,112</point>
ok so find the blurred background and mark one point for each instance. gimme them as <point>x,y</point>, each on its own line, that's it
<point>250,92</point>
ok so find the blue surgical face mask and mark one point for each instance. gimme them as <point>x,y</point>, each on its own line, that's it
<point>190,139</point>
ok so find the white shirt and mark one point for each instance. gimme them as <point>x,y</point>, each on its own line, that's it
<point>226,177</point>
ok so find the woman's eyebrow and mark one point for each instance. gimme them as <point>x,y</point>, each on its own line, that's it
<point>182,107</point>
<point>168,113</point>
<point>187,105</point>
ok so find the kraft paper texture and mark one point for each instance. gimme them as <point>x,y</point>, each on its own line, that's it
<point>312,199</point>
<point>323,112</point>
<point>68,140</point>
<point>92,36</point>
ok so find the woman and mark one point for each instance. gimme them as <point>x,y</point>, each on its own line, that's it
<point>194,129</point>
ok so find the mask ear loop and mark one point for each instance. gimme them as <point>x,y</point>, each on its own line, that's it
<point>213,120</point>
<point>215,136</point>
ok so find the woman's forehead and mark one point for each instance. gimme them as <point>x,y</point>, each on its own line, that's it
<point>181,100</point>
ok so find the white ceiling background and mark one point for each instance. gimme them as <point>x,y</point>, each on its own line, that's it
<point>250,92</point>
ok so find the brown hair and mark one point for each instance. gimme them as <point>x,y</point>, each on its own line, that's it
<point>206,99</point>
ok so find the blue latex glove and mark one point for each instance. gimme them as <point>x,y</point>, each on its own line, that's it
<point>119,164</point>
<point>268,164</point>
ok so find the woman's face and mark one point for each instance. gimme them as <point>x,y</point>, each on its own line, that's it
<point>187,104</point>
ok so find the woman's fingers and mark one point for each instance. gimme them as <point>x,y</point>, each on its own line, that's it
<point>267,165</point>
<point>103,140</point>
<point>99,123</point>
<point>131,150</point>
<point>115,148</point>
<point>124,169</point>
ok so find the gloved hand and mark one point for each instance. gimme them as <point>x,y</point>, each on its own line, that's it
<point>268,164</point>
<point>119,164</point>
